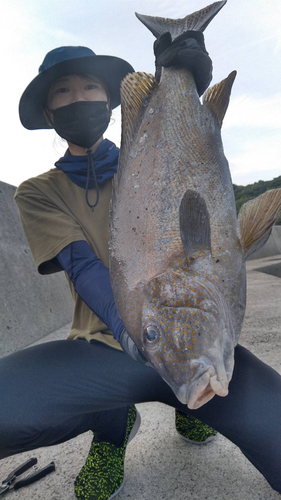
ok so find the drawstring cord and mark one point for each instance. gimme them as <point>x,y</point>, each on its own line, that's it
<point>90,168</point>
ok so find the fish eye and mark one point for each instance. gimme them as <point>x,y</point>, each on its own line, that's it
<point>152,334</point>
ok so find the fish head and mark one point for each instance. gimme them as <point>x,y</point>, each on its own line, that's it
<point>187,336</point>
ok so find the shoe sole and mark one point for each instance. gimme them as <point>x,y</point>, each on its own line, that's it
<point>133,433</point>
<point>135,428</point>
<point>200,443</point>
<point>117,491</point>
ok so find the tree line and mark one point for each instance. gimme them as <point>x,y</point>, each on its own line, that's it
<point>246,193</point>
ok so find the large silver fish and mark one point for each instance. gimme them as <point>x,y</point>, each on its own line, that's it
<point>177,249</point>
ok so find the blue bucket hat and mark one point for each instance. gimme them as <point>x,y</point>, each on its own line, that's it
<point>65,61</point>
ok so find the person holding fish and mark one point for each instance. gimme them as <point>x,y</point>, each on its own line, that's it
<point>70,387</point>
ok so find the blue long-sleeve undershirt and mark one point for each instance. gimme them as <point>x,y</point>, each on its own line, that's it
<point>91,281</point>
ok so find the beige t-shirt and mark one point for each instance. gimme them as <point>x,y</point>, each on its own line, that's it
<point>54,213</point>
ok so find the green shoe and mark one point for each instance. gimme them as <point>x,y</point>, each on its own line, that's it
<point>102,476</point>
<point>193,430</point>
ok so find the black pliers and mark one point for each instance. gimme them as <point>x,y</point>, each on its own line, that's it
<point>12,483</point>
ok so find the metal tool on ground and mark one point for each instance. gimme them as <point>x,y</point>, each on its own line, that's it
<point>12,481</point>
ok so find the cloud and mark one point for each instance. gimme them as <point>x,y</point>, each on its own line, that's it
<point>244,36</point>
<point>260,159</point>
<point>252,137</point>
<point>256,112</point>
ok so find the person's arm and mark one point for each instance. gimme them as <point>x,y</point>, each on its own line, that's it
<point>91,281</point>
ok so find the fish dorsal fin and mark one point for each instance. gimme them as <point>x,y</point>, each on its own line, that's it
<point>197,21</point>
<point>194,224</point>
<point>135,89</point>
<point>256,219</point>
<point>216,98</point>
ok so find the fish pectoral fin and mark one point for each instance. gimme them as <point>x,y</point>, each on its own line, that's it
<point>256,219</point>
<point>194,224</point>
<point>197,21</point>
<point>216,98</point>
<point>135,88</point>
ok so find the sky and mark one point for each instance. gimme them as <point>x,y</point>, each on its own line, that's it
<point>244,36</point>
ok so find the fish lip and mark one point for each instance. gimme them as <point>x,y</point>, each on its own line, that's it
<point>210,386</point>
<point>202,389</point>
<point>185,391</point>
<point>202,381</point>
<point>195,402</point>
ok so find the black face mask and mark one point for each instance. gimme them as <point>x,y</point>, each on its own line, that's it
<point>82,122</point>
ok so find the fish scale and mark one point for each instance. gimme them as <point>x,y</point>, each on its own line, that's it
<point>168,184</point>
<point>177,250</point>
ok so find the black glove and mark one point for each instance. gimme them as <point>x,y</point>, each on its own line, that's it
<point>130,347</point>
<point>186,51</point>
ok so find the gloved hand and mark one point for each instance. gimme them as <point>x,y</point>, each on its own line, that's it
<point>130,348</point>
<point>186,51</point>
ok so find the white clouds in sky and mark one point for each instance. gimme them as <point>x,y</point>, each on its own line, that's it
<point>259,159</point>
<point>244,36</point>
<point>254,111</point>
<point>252,139</point>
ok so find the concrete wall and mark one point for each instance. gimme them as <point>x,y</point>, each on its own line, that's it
<point>272,246</point>
<point>31,306</point>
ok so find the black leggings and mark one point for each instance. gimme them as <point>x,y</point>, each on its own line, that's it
<point>52,392</point>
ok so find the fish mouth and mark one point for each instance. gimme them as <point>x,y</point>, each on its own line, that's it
<point>201,393</point>
<point>205,384</point>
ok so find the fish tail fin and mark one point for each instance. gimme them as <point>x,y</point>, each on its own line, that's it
<point>197,21</point>
<point>256,219</point>
<point>216,98</point>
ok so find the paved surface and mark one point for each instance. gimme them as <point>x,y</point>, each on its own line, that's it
<point>159,465</point>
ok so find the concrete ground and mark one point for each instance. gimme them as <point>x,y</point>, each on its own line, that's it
<point>159,465</point>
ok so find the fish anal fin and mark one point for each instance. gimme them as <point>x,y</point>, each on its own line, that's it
<point>197,21</point>
<point>256,219</point>
<point>216,98</point>
<point>194,225</point>
<point>135,89</point>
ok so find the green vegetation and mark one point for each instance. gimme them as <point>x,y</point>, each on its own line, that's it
<point>246,193</point>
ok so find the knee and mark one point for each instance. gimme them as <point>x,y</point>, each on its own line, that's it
<point>16,438</point>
